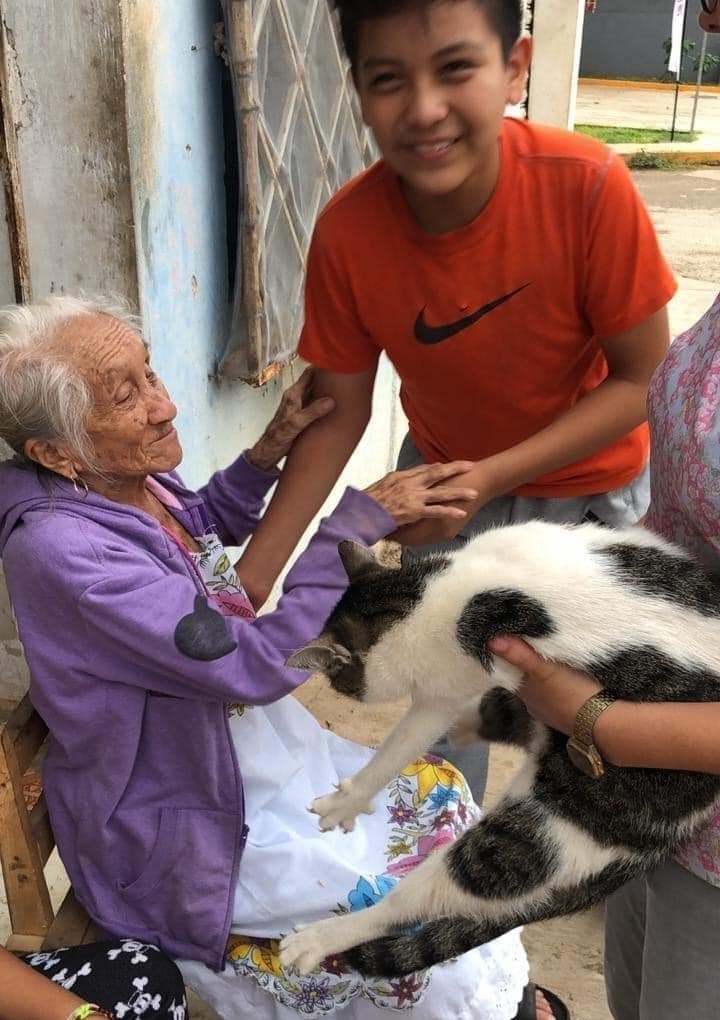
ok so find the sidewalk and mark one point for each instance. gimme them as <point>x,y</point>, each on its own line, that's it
<point>627,105</point>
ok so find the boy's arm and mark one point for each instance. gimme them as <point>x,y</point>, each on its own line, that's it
<point>609,412</point>
<point>312,468</point>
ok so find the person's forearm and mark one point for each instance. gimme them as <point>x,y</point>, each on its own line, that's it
<point>27,995</point>
<point>606,414</point>
<point>312,468</point>
<point>661,736</point>
<point>612,410</point>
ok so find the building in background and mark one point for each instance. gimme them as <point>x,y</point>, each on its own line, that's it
<point>627,39</point>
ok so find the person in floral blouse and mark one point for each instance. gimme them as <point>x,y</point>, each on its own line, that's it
<point>662,931</point>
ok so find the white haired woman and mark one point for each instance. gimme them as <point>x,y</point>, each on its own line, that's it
<point>179,772</point>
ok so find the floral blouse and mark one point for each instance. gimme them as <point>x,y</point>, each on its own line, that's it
<point>684,414</point>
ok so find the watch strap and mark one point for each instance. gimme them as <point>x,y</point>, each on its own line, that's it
<point>588,715</point>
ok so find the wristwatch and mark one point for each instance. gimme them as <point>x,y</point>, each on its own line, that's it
<point>580,748</point>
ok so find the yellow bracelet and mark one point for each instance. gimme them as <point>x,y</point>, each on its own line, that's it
<point>89,1009</point>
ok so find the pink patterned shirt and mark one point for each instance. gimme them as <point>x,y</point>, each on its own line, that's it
<point>684,414</point>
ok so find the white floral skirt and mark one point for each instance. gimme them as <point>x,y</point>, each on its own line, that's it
<point>291,872</point>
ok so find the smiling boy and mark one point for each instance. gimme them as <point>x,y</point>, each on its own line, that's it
<point>510,272</point>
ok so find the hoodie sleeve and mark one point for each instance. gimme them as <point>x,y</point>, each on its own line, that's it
<point>155,630</point>
<point>235,498</point>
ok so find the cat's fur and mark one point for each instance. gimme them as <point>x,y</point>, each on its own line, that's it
<point>625,606</point>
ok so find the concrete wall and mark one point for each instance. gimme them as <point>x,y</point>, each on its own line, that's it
<point>557,34</point>
<point>128,195</point>
<point>623,39</point>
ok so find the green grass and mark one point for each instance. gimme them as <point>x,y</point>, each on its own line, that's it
<point>618,135</point>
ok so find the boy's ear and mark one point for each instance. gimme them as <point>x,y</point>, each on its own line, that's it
<point>517,68</point>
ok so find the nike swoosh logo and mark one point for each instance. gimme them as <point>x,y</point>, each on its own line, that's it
<point>436,334</point>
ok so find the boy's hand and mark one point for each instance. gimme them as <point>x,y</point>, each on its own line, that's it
<point>422,492</point>
<point>296,412</point>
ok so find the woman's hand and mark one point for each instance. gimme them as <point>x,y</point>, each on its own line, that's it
<point>421,492</point>
<point>553,693</point>
<point>429,532</point>
<point>296,412</point>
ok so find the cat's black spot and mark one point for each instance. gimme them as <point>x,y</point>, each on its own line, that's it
<point>659,574</point>
<point>643,673</point>
<point>503,718</point>
<point>500,611</point>
<point>203,634</point>
<point>505,855</point>
<point>641,809</point>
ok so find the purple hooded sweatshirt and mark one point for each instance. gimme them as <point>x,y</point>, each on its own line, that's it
<point>132,671</point>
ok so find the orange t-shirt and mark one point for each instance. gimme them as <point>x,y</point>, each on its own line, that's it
<point>493,328</point>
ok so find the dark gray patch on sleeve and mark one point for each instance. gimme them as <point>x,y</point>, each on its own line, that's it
<point>203,634</point>
<point>496,612</point>
<point>660,574</point>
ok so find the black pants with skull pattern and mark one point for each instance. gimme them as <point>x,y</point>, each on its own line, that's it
<point>127,978</point>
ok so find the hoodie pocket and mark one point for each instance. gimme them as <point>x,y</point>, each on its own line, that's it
<point>160,861</point>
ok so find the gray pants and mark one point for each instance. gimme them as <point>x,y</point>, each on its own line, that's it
<point>662,947</point>
<point>618,509</point>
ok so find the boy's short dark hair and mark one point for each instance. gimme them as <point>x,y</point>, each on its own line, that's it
<point>505,16</point>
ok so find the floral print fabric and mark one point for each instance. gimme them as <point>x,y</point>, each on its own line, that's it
<point>684,414</point>
<point>291,872</point>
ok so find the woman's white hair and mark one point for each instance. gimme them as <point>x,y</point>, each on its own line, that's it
<point>42,394</point>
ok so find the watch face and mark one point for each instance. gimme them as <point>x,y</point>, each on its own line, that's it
<point>586,759</point>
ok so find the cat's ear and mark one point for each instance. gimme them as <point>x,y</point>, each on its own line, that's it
<point>320,656</point>
<point>358,560</point>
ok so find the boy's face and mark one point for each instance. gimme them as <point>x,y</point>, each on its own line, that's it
<point>433,86</point>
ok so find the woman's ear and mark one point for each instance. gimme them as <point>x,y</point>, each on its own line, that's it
<point>53,456</point>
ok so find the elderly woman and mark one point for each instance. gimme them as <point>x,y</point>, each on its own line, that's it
<point>179,772</point>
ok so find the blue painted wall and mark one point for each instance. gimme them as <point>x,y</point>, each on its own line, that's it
<point>177,166</point>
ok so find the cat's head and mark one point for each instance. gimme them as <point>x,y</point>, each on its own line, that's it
<point>378,597</point>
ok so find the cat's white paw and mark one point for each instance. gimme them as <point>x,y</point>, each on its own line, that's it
<point>341,808</point>
<point>304,950</point>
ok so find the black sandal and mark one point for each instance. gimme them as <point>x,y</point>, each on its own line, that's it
<point>527,1009</point>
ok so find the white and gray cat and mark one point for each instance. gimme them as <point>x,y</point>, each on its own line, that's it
<point>625,606</point>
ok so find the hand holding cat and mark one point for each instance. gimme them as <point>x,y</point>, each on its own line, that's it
<point>553,693</point>
<point>422,492</point>
<point>296,412</point>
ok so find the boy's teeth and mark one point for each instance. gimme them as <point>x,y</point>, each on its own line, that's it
<point>436,147</point>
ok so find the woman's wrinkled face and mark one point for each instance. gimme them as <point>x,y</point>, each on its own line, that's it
<point>131,424</point>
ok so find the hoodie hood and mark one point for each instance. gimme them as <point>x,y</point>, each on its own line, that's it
<point>24,488</point>
<point>27,490</point>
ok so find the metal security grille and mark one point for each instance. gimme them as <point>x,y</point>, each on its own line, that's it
<point>300,137</point>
